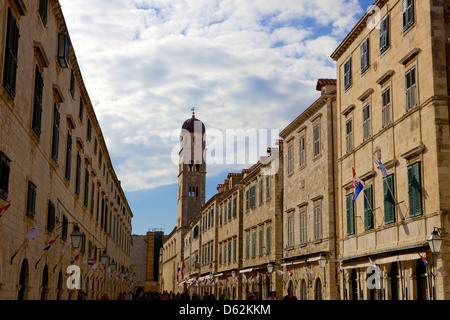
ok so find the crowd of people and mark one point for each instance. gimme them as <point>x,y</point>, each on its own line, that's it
<point>150,295</point>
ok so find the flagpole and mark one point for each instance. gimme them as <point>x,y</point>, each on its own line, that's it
<point>17,251</point>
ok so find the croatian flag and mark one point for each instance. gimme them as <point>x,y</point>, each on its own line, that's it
<point>3,210</point>
<point>76,258</point>
<point>91,262</point>
<point>380,166</point>
<point>51,243</point>
<point>290,273</point>
<point>423,259</point>
<point>357,185</point>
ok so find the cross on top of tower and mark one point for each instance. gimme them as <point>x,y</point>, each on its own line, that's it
<point>193,111</point>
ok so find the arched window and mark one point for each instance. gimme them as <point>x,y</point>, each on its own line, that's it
<point>318,289</point>
<point>421,280</point>
<point>23,280</point>
<point>354,283</point>
<point>196,191</point>
<point>59,286</point>
<point>44,283</point>
<point>394,281</point>
<point>303,295</point>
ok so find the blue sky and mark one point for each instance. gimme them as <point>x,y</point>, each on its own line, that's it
<point>245,64</point>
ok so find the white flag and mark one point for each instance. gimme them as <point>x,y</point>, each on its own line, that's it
<point>33,233</point>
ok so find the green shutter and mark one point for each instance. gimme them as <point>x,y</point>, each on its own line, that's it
<point>37,107</point>
<point>260,242</point>
<point>50,216</point>
<point>415,190</point>
<point>350,215</point>
<point>4,175</point>
<point>43,4</point>
<point>268,240</point>
<point>389,202</point>
<point>31,203</point>
<point>11,48</point>
<point>246,246</point>
<point>368,208</point>
<point>86,188</point>
<point>253,243</point>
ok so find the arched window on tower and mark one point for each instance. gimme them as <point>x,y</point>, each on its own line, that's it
<point>196,191</point>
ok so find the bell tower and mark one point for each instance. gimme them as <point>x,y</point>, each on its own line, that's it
<point>192,171</point>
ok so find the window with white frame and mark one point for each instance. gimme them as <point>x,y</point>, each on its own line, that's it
<point>366,122</point>
<point>317,223</point>
<point>349,134</point>
<point>411,89</point>
<point>386,107</point>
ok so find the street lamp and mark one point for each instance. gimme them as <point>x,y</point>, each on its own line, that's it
<point>76,237</point>
<point>269,268</point>
<point>435,243</point>
<point>322,264</point>
<point>113,265</point>
<point>103,258</point>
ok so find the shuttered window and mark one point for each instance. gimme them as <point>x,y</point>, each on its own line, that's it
<point>350,215</point>
<point>386,107</point>
<point>4,175</point>
<point>364,49</point>
<point>267,187</point>
<point>260,236</point>
<point>86,188</point>
<point>68,156</point>
<point>55,142</point>
<point>247,246</point>
<point>11,53</point>
<point>51,216</point>
<point>384,34</point>
<point>366,122</point>
<point>253,244</point>
<point>389,202</point>
<point>252,196</point>
<point>316,134</point>
<point>31,200</point>
<point>268,240</point>
<point>78,178</point>
<point>414,190</point>
<point>65,227</point>
<point>37,104</point>
<point>411,92</point>
<point>349,135</point>
<point>317,223</point>
<point>368,208</point>
<point>348,73</point>
<point>234,207</point>
<point>43,4</point>
<point>303,228</point>
<point>408,13</point>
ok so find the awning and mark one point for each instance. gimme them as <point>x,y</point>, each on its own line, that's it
<point>386,260</point>
<point>246,270</point>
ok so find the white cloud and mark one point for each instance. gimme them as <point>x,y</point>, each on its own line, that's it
<point>245,64</point>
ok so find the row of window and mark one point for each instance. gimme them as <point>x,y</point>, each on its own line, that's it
<point>384,39</point>
<point>263,192</point>
<point>303,227</point>
<point>386,109</point>
<point>251,243</point>
<point>110,223</point>
<point>228,211</point>
<point>9,84</point>
<point>414,195</point>
<point>302,150</point>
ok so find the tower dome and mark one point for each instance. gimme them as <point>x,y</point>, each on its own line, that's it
<point>192,124</point>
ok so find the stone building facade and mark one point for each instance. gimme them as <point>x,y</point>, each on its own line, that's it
<point>393,94</point>
<point>56,174</point>
<point>309,222</point>
<point>389,103</point>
